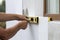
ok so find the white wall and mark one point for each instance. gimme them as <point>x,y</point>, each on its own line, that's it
<point>13,5</point>
<point>35,7</point>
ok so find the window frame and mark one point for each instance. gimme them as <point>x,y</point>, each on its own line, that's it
<point>53,16</point>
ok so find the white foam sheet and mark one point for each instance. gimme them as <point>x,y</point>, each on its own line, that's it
<point>54,30</point>
<point>40,31</point>
<point>34,31</point>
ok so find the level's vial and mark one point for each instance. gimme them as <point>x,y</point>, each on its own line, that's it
<point>49,19</point>
<point>34,20</point>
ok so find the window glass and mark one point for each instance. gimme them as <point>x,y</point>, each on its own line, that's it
<point>52,6</point>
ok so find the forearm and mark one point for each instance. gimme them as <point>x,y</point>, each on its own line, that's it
<point>8,33</point>
<point>7,17</point>
<point>13,30</point>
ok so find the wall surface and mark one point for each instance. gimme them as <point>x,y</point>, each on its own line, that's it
<point>33,31</point>
<point>35,7</point>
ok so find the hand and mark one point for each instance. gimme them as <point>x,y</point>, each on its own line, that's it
<point>23,24</point>
<point>21,17</point>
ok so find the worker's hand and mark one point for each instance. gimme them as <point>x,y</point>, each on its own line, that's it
<point>23,24</point>
<point>21,17</point>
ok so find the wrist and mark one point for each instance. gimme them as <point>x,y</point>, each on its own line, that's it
<point>16,17</point>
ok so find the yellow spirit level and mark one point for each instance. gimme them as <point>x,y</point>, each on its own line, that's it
<point>34,20</point>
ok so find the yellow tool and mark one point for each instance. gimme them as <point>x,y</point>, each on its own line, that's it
<point>34,20</point>
<point>49,19</point>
